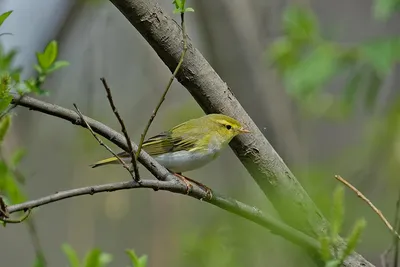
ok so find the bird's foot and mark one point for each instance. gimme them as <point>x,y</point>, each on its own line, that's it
<point>184,179</point>
<point>202,186</point>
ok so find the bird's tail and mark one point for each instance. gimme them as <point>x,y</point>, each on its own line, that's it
<point>112,160</point>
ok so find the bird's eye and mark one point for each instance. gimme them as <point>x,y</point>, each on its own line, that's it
<point>228,127</point>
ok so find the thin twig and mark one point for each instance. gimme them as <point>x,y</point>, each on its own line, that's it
<point>123,128</point>
<point>366,200</point>
<point>146,129</point>
<point>101,142</point>
<point>20,220</point>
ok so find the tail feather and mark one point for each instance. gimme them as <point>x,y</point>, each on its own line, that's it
<point>112,160</point>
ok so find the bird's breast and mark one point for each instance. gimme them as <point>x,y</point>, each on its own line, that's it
<point>182,161</point>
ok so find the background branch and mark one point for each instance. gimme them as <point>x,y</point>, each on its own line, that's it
<point>369,203</point>
<point>214,96</point>
<point>146,129</point>
<point>167,181</point>
<point>123,129</point>
<point>81,117</point>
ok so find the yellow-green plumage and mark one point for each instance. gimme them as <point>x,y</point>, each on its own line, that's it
<point>189,145</point>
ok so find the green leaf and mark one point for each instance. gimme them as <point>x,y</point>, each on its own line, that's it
<point>58,65</point>
<point>4,125</point>
<point>300,24</point>
<point>48,57</point>
<point>312,72</point>
<point>92,258</point>
<point>353,238</point>
<point>4,102</point>
<point>134,259</point>
<point>143,261</point>
<point>39,262</point>
<point>189,9</point>
<point>325,248</point>
<point>337,211</point>
<point>382,54</point>
<point>383,9</point>
<point>71,255</point>
<point>4,16</point>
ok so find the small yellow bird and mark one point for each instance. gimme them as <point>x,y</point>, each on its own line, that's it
<point>189,145</point>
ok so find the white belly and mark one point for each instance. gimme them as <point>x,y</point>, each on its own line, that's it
<point>182,161</point>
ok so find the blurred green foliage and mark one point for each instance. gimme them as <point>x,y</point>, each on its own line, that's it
<point>97,258</point>
<point>307,62</point>
<point>330,241</point>
<point>384,9</point>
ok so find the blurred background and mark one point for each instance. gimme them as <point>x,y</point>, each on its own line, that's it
<point>320,79</point>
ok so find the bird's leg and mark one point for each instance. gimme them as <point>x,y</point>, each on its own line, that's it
<point>202,186</point>
<point>184,179</point>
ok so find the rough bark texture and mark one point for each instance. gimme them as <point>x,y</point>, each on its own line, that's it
<point>214,96</point>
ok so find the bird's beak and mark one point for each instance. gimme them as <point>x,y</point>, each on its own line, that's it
<point>242,130</point>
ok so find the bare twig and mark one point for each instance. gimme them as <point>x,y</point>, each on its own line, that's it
<point>123,129</point>
<point>101,142</point>
<point>370,204</point>
<point>20,220</point>
<point>146,129</point>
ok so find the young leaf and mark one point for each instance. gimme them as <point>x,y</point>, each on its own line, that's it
<point>143,261</point>
<point>4,16</point>
<point>48,57</point>
<point>325,248</point>
<point>51,52</point>
<point>92,258</point>
<point>353,238</point>
<point>337,211</point>
<point>71,255</point>
<point>39,262</point>
<point>134,259</point>
<point>4,102</point>
<point>4,125</point>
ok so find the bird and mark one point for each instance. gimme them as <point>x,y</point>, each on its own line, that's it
<point>188,146</point>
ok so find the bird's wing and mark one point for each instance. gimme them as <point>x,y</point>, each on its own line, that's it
<point>165,142</point>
